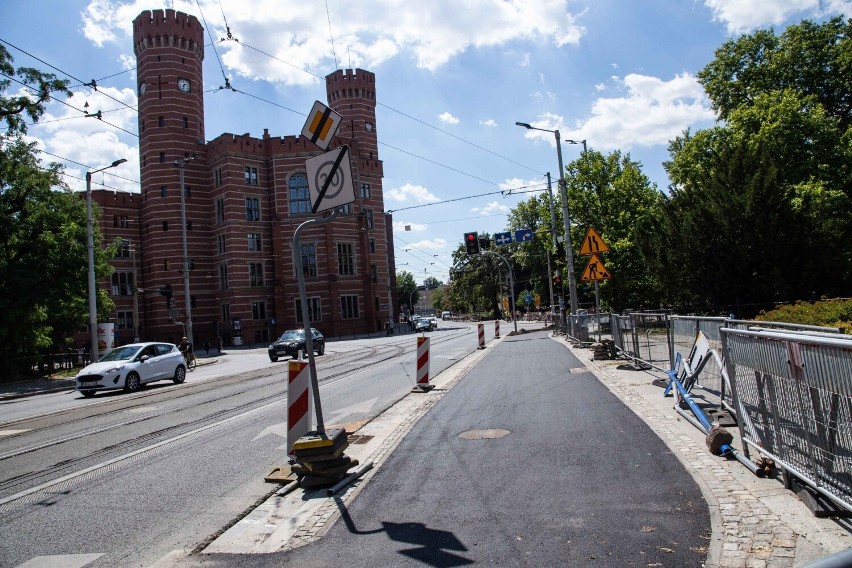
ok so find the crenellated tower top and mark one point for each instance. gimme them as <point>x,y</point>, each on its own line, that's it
<point>168,28</point>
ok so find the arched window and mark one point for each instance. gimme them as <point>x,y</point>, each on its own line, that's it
<point>300,199</point>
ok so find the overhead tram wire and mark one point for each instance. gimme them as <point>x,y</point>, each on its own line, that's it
<point>503,192</point>
<point>207,29</point>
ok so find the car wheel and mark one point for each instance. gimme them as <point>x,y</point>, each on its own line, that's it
<point>273,358</point>
<point>131,383</point>
<point>180,375</point>
<point>321,349</point>
<point>88,394</point>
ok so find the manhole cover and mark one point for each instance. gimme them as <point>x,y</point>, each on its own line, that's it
<point>488,434</point>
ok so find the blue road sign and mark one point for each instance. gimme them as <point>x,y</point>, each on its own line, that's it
<point>503,238</point>
<point>523,235</point>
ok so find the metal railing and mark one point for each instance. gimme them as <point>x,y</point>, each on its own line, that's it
<point>793,396</point>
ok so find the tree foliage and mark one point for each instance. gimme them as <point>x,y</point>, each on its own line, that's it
<point>43,231</point>
<point>760,204</point>
<point>408,294</point>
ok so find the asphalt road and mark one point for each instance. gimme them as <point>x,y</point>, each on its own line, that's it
<point>123,479</point>
<point>528,461</point>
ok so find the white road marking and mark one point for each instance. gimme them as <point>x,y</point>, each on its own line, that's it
<point>61,561</point>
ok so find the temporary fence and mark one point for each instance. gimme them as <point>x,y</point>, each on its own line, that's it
<point>643,337</point>
<point>793,395</point>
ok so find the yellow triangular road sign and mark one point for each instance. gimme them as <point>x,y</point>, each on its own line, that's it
<point>595,270</point>
<point>593,243</point>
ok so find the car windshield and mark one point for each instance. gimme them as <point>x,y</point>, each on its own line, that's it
<point>293,335</point>
<point>124,353</point>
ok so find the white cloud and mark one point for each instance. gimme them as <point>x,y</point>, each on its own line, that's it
<point>401,226</point>
<point>525,60</point>
<point>653,112</point>
<point>297,32</point>
<point>518,184</point>
<point>600,87</point>
<point>741,16</point>
<point>408,192</point>
<point>447,118</point>
<point>495,207</point>
<point>489,122</point>
<point>429,244</point>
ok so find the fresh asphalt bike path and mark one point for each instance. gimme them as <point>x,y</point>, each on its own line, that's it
<point>527,461</point>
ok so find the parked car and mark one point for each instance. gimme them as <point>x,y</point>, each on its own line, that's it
<point>422,324</point>
<point>130,366</point>
<point>292,341</point>
<point>446,315</point>
<point>434,321</point>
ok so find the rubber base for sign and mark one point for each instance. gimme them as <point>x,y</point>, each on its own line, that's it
<point>316,440</point>
<point>283,475</point>
<point>422,388</point>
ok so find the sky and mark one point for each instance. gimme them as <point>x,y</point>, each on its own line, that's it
<point>452,79</point>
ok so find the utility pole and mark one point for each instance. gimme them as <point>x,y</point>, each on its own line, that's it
<point>180,164</point>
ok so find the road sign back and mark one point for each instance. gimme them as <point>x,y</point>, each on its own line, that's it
<point>322,125</point>
<point>593,243</point>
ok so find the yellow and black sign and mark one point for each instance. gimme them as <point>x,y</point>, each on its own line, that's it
<point>595,270</point>
<point>322,125</point>
<point>593,243</point>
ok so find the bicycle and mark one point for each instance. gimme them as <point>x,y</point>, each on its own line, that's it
<point>191,361</point>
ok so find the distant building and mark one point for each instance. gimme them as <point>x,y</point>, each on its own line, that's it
<point>244,198</point>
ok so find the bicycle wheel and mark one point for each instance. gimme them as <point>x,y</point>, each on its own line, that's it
<point>191,363</point>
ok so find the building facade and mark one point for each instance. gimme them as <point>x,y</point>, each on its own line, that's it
<point>243,198</point>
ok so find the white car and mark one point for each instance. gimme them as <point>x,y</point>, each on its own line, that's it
<point>130,366</point>
<point>434,321</point>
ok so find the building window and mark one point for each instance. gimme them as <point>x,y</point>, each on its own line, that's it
<point>368,218</point>
<point>309,260</point>
<point>372,246</point>
<point>226,312</point>
<point>374,272</point>
<point>166,264</point>
<point>300,199</point>
<point>125,320</point>
<point>165,225</point>
<point>162,157</point>
<point>255,274</point>
<point>349,307</point>
<point>365,191</point>
<point>123,221</point>
<point>223,276</point>
<point>161,121</point>
<point>250,175</point>
<point>252,209</point>
<point>185,122</point>
<point>314,311</point>
<point>187,191</point>
<point>258,310</point>
<point>164,191</point>
<point>220,244</point>
<point>123,249</point>
<point>189,225</point>
<point>217,177</point>
<point>254,242</point>
<point>345,209</point>
<point>345,259</point>
<point>122,283</point>
<point>220,210</point>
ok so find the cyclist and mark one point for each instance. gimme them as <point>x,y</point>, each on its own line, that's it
<point>185,348</point>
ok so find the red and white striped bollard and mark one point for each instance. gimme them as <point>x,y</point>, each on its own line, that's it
<point>496,329</point>
<point>481,329</point>
<point>422,365</point>
<point>299,415</point>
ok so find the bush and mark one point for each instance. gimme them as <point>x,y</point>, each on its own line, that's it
<point>828,313</point>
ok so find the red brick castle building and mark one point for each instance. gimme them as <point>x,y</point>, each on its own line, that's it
<point>243,199</point>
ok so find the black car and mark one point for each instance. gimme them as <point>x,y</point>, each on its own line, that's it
<point>292,341</point>
<point>422,324</point>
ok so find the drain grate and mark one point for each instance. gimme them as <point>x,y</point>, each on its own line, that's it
<point>359,438</point>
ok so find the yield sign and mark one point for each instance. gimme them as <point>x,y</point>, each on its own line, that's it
<point>503,238</point>
<point>595,270</point>
<point>593,243</point>
<point>330,180</point>
<point>322,125</point>
<point>523,235</point>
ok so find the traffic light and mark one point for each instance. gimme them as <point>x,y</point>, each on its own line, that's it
<point>557,280</point>
<point>471,243</point>
<point>484,243</point>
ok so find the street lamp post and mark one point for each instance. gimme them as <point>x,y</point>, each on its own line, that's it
<point>93,298</point>
<point>180,164</point>
<point>566,219</point>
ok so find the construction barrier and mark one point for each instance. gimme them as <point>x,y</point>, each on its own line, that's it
<point>481,330</point>
<point>423,363</point>
<point>299,416</point>
<point>496,329</point>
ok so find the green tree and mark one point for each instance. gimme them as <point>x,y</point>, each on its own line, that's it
<point>407,289</point>
<point>612,194</point>
<point>438,300</point>
<point>43,242</point>
<point>477,281</point>
<point>530,258</point>
<point>760,204</point>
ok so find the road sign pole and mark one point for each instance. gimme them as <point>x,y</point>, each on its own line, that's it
<point>306,316</point>
<point>511,285</point>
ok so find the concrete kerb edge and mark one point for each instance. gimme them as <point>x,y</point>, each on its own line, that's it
<point>714,549</point>
<point>329,512</point>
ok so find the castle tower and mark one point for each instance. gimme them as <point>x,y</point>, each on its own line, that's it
<point>169,48</point>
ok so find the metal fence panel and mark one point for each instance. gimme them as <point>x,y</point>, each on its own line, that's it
<point>793,393</point>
